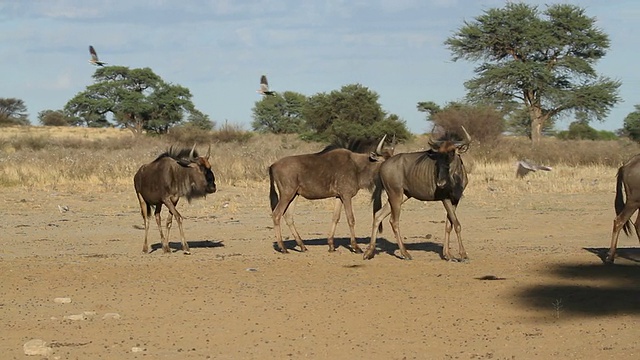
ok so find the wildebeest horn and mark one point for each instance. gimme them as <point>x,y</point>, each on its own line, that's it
<point>463,146</point>
<point>379,148</point>
<point>193,149</point>
<point>466,134</point>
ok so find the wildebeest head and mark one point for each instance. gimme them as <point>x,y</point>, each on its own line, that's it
<point>445,151</point>
<point>204,182</point>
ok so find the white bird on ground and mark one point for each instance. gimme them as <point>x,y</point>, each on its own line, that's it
<point>523,167</point>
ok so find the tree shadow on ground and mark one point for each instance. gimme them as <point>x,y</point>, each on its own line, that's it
<point>177,246</point>
<point>597,290</point>
<point>631,254</point>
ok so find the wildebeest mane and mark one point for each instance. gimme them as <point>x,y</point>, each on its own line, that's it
<point>359,146</point>
<point>328,148</point>
<point>177,153</point>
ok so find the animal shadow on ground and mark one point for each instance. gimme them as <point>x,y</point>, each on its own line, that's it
<point>631,254</point>
<point>391,247</point>
<point>610,290</point>
<point>291,245</point>
<point>177,246</point>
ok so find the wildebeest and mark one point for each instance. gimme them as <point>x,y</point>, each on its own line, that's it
<point>437,174</point>
<point>174,174</point>
<point>628,179</point>
<point>332,172</point>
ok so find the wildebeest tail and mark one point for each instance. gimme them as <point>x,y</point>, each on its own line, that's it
<point>273,195</point>
<point>619,202</point>
<point>376,197</point>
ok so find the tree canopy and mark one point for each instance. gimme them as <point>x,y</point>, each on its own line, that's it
<point>543,60</point>
<point>280,114</point>
<point>55,118</point>
<point>631,126</point>
<point>138,99</point>
<point>13,112</point>
<point>349,114</point>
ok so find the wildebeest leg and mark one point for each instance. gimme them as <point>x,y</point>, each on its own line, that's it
<point>144,210</point>
<point>351,220</point>
<point>288,218</point>
<point>451,216</point>
<point>174,211</point>
<point>170,220</point>
<point>278,212</point>
<point>618,223</point>
<point>378,217</point>
<point>337,208</point>
<point>395,201</point>
<point>163,240</point>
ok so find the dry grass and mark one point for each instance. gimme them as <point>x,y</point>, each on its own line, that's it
<point>101,159</point>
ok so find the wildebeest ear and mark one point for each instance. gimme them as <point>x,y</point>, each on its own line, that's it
<point>208,152</point>
<point>374,157</point>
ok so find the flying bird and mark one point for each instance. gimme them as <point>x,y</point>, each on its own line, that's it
<point>523,167</point>
<point>94,57</point>
<point>264,87</point>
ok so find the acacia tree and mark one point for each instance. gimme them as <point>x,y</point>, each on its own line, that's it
<point>13,112</point>
<point>138,99</point>
<point>280,114</point>
<point>543,60</point>
<point>631,126</point>
<point>351,114</point>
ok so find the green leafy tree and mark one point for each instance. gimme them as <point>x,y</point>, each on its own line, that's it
<point>54,118</point>
<point>543,60</point>
<point>138,99</point>
<point>280,114</point>
<point>13,112</point>
<point>351,114</point>
<point>430,108</point>
<point>200,120</point>
<point>631,127</point>
<point>580,130</point>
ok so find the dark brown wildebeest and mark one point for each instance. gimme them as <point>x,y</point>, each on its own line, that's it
<point>628,179</point>
<point>174,174</point>
<point>437,174</point>
<point>332,172</point>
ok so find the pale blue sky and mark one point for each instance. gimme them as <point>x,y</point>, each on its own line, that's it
<point>219,49</point>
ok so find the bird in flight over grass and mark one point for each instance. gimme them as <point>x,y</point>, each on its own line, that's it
<point>264,87</point>
<point>94,57</point>
<point>523,167</point>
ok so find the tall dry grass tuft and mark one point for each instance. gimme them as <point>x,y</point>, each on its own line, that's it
<point>106,158</point>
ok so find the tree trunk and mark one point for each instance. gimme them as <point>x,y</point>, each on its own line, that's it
<point>536,131</point>
<point>537,122</point>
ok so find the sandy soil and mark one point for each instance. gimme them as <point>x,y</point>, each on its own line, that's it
<point>236,298</point>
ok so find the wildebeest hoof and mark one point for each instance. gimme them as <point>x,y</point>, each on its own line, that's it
<point>187,252</point>
<point>357,250</point>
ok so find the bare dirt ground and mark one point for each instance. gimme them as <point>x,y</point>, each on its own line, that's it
<point>236,298</point>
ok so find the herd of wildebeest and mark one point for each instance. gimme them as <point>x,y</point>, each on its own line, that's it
<point>436,174</point>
